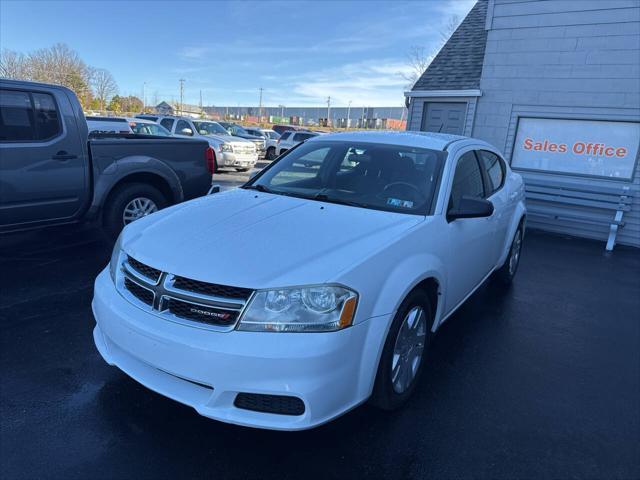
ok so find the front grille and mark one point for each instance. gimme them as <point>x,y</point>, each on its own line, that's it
<point>205,288</point>
<point>201,313</point>
<point>144,270</point>
<point>246,149</point>
<point>280,404</point>
<point>141,293</point>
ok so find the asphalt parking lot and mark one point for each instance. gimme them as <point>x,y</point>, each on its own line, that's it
<point>540,382</point>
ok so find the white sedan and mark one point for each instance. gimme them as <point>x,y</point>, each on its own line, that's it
<point>341,261</point>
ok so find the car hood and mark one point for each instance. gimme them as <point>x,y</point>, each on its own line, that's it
<point>258,240</point>
<point>226,138</point>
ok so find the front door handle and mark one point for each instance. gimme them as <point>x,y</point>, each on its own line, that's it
<point>62,155</point>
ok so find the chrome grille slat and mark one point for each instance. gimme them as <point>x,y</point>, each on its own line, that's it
<point>162,297</point>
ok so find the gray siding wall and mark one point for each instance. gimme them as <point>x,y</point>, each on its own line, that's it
<point>416,111</point>
<point>566,59</point>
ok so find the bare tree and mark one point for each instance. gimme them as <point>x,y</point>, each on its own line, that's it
<point>453,22</point>
<point>417,62</point>
<point>104,86</point>
<point>13,65</point>
<point>418,59</point>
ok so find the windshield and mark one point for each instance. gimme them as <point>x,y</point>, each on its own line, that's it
<point>368,175</point>
<point>210,128</point>
<point>149,129</point>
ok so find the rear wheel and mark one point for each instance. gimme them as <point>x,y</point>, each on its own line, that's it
<point>129,203</point>
<point>507,272</point>
<point>401,362</point>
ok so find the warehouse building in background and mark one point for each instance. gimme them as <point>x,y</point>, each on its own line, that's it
<point>555,84</point>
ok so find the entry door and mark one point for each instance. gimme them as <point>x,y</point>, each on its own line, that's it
<point>42,168</point>
<point>471,240</point>
<point>444,117</point>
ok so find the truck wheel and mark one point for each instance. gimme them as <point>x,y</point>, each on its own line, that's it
<point>130,202</point>
<point>403,354</point>
<point>271,153</point>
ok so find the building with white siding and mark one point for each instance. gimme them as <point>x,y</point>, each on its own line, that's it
<point>555,84</point>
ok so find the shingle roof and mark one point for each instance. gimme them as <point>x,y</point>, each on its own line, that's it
<point>458,65</point>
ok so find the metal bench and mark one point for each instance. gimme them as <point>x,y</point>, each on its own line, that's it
<point>577,203</point>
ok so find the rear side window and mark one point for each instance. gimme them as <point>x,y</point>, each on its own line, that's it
<point>495,169</point>
<point>301,137</point>
<point>46,117</point>
<point>467,181</point>
<point>182,125</point>
<point>167,123</point>
<point>28,116</point>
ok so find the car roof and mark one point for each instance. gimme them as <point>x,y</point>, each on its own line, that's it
<point>432,140</point>
<point>141,120</point>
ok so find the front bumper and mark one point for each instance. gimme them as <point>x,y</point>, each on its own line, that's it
<point>330,372</point>
<point>240,160</point>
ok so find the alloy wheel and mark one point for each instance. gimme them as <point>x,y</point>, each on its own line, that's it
<point>137,208</point>
<point>408,350</point>
<point>514,256</point>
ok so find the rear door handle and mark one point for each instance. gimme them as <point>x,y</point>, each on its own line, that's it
<point>62,155</point>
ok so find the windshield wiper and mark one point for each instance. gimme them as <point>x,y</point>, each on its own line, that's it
<point>259,187</point>
<point>322,197</point>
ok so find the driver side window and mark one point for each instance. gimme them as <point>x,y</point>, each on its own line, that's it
<point>181,126</point>
<point>467,180</point>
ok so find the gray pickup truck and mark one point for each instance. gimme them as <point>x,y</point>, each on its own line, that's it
<point>51,172</point>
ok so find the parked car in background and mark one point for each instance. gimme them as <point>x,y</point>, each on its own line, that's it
<point>141,126</point>
<point>271,138</point>
<point>51,172</point>
<point>108,125</point>
<point>231,152</point>
<point>290,139</point>
<point>397,229</point>
<point>280,129</point>
<point>238,131</point>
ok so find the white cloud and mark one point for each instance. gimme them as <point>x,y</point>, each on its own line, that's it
<point>375,83</point>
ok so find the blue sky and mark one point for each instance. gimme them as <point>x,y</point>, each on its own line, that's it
<point>299,52</point>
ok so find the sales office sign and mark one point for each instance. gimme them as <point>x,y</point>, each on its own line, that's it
<point>583,147</point>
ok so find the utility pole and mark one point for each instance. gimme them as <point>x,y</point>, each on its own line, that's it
<point>182,80</point>
<point>328,111</point>
<point>260,106</point>
<point>144,96</point>
<point>348,114</point>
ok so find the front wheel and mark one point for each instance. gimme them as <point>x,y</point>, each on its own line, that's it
<point>507,272</point>
<point>403,354</point>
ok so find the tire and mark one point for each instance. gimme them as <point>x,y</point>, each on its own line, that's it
<point>387,391</point>
<point>123,197</point>
<point>271,153</point>
<point>507,272</point>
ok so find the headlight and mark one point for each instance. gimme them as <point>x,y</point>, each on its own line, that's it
<point>321,308</point>
<point>116,258</point>
<point>226,147</point>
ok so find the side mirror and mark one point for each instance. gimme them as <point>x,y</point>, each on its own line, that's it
<point>186,131</point>
<point>214,189</point>
<point>470,207</point>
